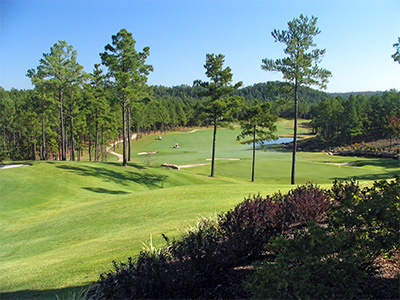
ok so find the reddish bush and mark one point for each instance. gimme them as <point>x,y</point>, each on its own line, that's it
<point>306,203</point>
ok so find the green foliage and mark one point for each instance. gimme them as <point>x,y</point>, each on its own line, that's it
<point>58,76</point>
<point>335,260</point>
<point>259,124</point>
<point>126,77</point>
<point>300,67</point>
<point>368,219</point>
<point>218,107</point>
<point>340,120</point>
<point>200,264</point>
<point>396,55</point>
<point>311,265</point>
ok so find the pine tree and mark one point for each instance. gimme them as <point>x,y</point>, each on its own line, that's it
<point>127,75</point>
<point>300,67</point>
<point>218,105</point>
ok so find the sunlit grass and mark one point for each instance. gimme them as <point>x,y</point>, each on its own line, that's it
<point>63,223</point>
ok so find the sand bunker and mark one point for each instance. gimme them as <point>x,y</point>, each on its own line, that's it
<point>224,159</point>
<point>341,164</point>
<point>13,166</point>
<point>145,153</point>
<point>193,165</point>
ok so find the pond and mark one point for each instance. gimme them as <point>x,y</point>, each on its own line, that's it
<point>272,142</point>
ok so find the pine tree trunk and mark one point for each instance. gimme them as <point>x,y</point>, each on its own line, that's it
<point>44,156</point>
<point>72,134</point>
<point>296,109</point>
<point>34,151</point>
<point>96,143</point>
<point>124,162</point>
<point>213,147</point>
<point>63,144</point>
<point>129,133</point>
<point>102,143</point>
<point>254,154</point>
<point>90,147</point>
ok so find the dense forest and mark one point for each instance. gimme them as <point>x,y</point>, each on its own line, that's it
<point>340,120</point>
<point>30,124</point>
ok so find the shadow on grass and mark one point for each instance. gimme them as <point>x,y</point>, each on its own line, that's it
<point>105,191</point>
<point>373,177</point>
<point>65,293</point>
<point>386,163</point>
<point>130,164</point>
<point>124,176</point>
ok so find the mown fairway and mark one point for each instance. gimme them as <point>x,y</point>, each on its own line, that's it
<point>62,223</point>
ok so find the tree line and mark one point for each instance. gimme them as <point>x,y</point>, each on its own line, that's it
<point>341,120</point>
<point>69,108</point>
<point>30,125</point>
<point>30,122</point>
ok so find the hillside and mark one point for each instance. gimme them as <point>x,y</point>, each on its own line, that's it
<point>348,94</point>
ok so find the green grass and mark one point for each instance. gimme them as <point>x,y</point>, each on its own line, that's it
<point>63,223</point>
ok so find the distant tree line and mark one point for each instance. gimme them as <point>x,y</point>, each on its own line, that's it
<point>30,124</point>
<point>30,119</point>
<point>340,120</point>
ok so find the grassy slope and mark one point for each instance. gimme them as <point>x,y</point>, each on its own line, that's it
<point>62,223</point>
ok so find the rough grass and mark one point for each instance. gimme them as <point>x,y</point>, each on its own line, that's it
<point>62,223</point>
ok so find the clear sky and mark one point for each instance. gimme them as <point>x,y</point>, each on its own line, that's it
<point>358,36</point>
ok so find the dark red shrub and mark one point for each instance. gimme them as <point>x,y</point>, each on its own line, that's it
<point>306,203</point>
<point>250,225</point>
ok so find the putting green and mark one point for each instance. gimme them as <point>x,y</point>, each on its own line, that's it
<point>234,159</point>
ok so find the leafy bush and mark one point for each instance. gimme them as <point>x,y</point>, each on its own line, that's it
<point>306,203</point>
<point>249,226</point>
<point>140,278</point>
<point>320,244</point>
<point>312,265</point>
<point>195,266</point>
<point>369,218</point>
<point>334,260</point>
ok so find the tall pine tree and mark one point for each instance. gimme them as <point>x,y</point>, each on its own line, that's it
<point>218,105</point>
<point>127,75</point>
<point>300,67</point>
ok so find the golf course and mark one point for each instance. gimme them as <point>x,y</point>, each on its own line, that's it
<point>63,223</point>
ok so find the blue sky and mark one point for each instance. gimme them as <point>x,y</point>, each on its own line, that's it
<point>358,36</point>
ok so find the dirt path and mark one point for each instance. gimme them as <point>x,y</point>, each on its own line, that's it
<point>120,156</point>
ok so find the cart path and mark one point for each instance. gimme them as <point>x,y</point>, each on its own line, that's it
<point>120,156</point>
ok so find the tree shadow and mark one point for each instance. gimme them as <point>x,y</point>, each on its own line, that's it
<point>386,163</point>
<point>123,177</point>
<point>64,293</point>
<point>105,191</point>
<point>373,177</point>
<point>130,164</point>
